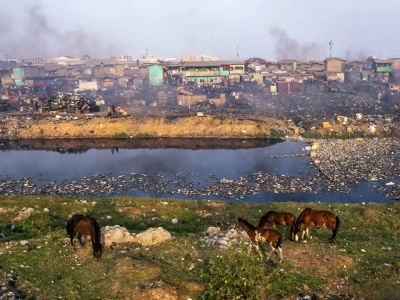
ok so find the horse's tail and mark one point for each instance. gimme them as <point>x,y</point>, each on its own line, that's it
<point>97,233</point>
<point>70,227</point>
<point>336,229</point>
<point>292,228</point>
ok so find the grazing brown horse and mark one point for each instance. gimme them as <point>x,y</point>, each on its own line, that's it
<point>319,218</point>
<point>273,218</point>
<point>84,225</point>
<point>256,235</point>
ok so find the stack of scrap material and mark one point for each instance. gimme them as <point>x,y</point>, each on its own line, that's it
<point>71,103</point>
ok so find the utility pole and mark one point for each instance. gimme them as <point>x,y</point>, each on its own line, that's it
<point>237,51</point>
<point>330,48</point>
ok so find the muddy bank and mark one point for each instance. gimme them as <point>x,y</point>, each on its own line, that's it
<point>130,127</point>
<point>79,145</point>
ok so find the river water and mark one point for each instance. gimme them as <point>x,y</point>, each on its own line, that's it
<point>199,164</point>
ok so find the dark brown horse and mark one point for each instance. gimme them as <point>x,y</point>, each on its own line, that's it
<point>319,218</point>
<point>273,218</point>
<point>256,235</point>
<point>79,225</point>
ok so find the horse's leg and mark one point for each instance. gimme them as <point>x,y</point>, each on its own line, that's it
<point>303,232</point>
<point>331,228</point>
<point>80,240</point>
<point>272,250</point>
<point>308,233</point>
<point>279,253</point>
<point>250,247</point>
<point>258,251</point>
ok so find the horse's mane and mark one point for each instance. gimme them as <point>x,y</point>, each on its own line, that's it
<point>300,217</point>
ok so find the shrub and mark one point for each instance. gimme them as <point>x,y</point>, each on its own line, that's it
<point>234,276</point>
<point>275,133</point>
<point>120,135</point>
<point>142,136</point>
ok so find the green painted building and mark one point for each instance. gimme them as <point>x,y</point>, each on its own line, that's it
<point>18,75</point>
<point>156,75</point>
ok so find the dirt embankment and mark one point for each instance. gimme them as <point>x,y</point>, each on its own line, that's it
<point>80,145</point>
<point>209,126</point>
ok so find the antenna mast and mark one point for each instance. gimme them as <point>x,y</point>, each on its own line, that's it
<point>330,48</point>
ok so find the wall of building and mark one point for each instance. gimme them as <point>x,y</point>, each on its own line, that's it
<point>85,85</point>
<point>334,65</point>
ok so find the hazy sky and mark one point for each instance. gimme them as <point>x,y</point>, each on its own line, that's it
<point>170,28</point>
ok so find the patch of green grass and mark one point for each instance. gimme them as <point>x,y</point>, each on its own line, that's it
<point>121,136</point>
<point>275,133</point>
<point>47,268</point>
<point>233,275</point>
<point>143,136</point>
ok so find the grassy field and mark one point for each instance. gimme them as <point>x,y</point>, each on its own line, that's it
<point>365,262</point>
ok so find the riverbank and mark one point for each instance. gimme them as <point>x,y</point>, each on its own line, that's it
<point>35,251</point>
<point>58,127</point>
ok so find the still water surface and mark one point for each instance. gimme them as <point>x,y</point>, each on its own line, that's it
<point>276,158</point>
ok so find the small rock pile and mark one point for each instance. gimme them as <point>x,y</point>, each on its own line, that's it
<point>116,235</point>
<point>9,291</point>
<point>223,239</point>
<point>150,237</point>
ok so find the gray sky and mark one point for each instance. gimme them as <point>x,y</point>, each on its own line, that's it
<point>171,28</point>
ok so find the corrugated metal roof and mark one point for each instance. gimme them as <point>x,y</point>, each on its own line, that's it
<point>212,63</point>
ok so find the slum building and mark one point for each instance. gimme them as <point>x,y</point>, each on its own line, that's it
<point>334,69</point>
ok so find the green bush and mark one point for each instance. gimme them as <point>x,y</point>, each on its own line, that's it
<point>275,133</point>
<point>312,134</point>
<point>120,135</point>
<point>37,224</point>
<point>234,276</point>
<point>142,136</point>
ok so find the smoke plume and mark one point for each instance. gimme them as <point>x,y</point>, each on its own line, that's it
<point>287,47</point>
<point>35,37</point>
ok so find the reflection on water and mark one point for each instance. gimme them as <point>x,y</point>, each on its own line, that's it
<point>230,163</point>
<point>184,163</point>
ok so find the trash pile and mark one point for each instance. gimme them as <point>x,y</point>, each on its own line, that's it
<point>215,237</point>
<point>348,162</point>
<point>70,103</point>
<point>390,190</point>
<point>4,105</point>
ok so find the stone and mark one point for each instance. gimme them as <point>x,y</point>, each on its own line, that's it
<point>158,291</point>
<point>116,234</point>
<point>153,236</point>
<point>213,230</point>
<point>24,242</point>
<point>24,214</point>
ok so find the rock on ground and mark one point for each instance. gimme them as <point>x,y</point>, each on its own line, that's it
<point>153,236</point>
<point>24,214</point>
<point>158,291</point>
<point>116,234</point>
<point>223,238</point>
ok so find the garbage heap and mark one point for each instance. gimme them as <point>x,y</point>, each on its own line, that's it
<point>71,103</point>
